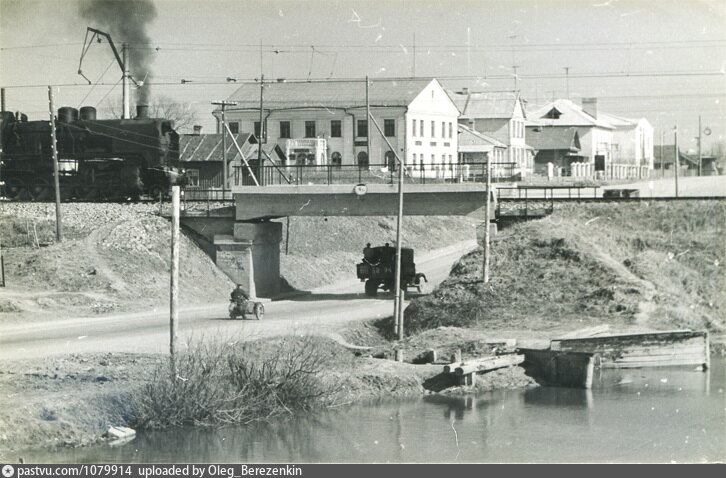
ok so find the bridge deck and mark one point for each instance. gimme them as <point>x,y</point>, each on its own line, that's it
<point>343,200</point>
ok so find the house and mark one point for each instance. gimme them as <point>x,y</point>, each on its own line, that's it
<point>632,140</point>
<point>665,159</point>
<point>499,115</point>
<point>477,148</point>
<point>559,146</point>
<point>612,146</point>
<point>201,157</point>
<point>325,122</point>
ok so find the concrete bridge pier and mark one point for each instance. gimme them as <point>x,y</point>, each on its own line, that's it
<point>251,256</point>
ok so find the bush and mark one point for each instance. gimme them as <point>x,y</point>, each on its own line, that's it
<point>218,383</point>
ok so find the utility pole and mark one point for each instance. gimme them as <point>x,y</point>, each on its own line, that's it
<point>414,54</point>
<point>126,113</point>
<point>2,99</point>
<point>262,125</point>
<point>174,282</point>
<point>678,160</point>
<point>662,164</point>
<point>368,133</point>
<point>567,82</point>
<point>487,223</point>
<point>224,104</point>
<point>56,180</point>
<point>700,158</point>
<point>514,69</point>
<point>400,296</point>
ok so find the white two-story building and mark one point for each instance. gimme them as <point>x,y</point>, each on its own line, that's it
<point>324,122</point>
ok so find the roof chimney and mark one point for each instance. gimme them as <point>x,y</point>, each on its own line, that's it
<point>589,106</point>
<point>465,91</point>
<point>197,129</point>
<point>142,111</point>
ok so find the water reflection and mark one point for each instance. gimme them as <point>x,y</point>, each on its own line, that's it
<point>630,415</point>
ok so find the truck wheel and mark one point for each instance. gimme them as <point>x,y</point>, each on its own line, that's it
<point>259,311</point>
<point>421,284</point>
<point>371,288</point>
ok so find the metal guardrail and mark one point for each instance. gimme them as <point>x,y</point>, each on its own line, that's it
<point>436,173</point>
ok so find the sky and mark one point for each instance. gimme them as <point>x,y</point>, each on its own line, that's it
<point>659,59</point>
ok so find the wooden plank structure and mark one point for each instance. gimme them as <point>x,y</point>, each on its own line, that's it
<point>557,368</point>
<point>466,371</point>
<point>643,349</point>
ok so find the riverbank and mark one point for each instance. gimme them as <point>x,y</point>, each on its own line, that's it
<point>70,401</point>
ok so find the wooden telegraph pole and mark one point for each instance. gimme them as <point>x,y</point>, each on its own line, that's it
<point>399,294</point>
<point>56,180</point>
<point>487,223</point>
<point>700,156</point>
<point>174,282</point>
<point>677,162</point>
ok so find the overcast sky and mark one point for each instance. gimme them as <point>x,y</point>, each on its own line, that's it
<point>664,60</point>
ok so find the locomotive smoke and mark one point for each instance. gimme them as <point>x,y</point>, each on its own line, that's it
<point>126,21</point>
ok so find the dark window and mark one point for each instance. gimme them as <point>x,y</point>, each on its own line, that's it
<point>257,129</point>
<point>362,129</point>
<point>193,178</point>
<point>310,129</point>
<point>433,129</point>
<point>389,127</point>
<point>362,159</point>
<point>336,159</point>
<point>336,129</point>
<point>554,113</point>
<point>285,129</point>
<point>413,128</point>
<point>233,126</point>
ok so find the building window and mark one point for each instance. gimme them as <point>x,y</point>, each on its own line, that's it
<point>413,127</point>
<point>234,127</point>
<point>421,128</point>
<point>336,129</point>
<point>451,130</point>
<point>443,129</point>
<point>414,160</point>
<point>362,159</point>
<point>193,178</point>
<point>336,159</point>
<point>285,129</point>
<point>433,129</point>
<point>257,129</point>
<point>391,160</point>
<point>389,127</point>
<point>310,129</point>
<point>362,131</point>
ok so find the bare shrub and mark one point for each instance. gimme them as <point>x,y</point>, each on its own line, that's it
<point>218,383</point>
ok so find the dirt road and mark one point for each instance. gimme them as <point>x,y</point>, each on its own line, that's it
<point>321,311</point>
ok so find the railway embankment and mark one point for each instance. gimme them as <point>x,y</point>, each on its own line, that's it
<point>115,257</point>
<point>657,265</point>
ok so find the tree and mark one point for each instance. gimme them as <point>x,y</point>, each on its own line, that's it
<point>183,114</point>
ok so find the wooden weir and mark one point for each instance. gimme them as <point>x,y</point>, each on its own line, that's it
<point>466,371</point>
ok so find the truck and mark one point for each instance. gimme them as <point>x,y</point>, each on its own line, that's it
<point>377,270</point>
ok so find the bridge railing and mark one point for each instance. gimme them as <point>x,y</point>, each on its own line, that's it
<point>431,173</point>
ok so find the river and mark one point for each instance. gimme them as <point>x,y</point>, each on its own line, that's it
<point>640,415</point>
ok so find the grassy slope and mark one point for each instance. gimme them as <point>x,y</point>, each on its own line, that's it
<point>645,265</point>
<point>115,257</point>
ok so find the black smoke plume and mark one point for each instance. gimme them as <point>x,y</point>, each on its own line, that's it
<point>126,21</point>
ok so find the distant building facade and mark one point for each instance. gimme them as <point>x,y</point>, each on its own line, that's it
<point>606,145</point>
<point>325,122</point>
<point>499,115</point>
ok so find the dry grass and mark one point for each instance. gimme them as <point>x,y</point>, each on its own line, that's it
<point>649,264</point>
<point>222,383</point>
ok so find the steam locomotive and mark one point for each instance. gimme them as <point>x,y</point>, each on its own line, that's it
<point>97,158</point>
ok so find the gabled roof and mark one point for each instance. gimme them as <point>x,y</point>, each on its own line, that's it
<point>471,141</point>
<point>570,115</point>
<point>546,138</point>
<point>495,104</point>
<point>208,147</point>
<point>341,94</point>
